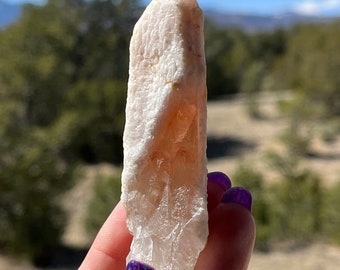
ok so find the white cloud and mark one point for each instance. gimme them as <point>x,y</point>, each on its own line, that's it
<point>313,7</point>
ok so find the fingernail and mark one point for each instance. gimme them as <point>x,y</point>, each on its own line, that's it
<point>220,179</point>
<point>238,195</point>
<point>135,265</point>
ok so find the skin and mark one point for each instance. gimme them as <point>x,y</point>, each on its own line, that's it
<point>230,243</point>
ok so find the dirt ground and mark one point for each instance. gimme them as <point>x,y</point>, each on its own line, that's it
<point>232,137</point>
<point>248,140</point>
<point>237,138</point>
<point>315,257</point>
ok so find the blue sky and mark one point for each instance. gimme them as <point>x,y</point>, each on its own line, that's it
<point>310,7</point>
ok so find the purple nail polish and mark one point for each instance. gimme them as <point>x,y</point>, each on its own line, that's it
<point>220,179</point>
<point>238,195</point>
<point>135,265</point>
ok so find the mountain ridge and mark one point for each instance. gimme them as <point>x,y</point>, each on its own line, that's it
<point>255,22</point>
<point>250,22</point>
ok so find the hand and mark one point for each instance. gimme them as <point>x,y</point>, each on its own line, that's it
<point>231,232</point>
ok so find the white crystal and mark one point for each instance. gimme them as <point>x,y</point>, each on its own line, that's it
<point>164,176</point>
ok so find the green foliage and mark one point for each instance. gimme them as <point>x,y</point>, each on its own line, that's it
<point>299,208</point>
<point>63,73</point>
<point>100,109</point>
<point>35,63</point>
<point>251,86</point>
<point>294,211</point>
<point>329,132</point>
<point>221,75</point>
<point>296,143</point>
<point>331,214</point>
<point>303,209</point>
<point>310,67</point>
<point>301,118</point>
<point>246,176</point>
<point>298,200</point>
<point>267,46</point>
<point>76,64</point>
<point>230,53</point>
<point>106,195</point>
<point>32,179</point>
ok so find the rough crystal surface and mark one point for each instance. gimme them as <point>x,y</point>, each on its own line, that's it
<point>164,175</point>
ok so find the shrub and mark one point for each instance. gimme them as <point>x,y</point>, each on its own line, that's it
<point>106,195</point>
<point>251,85</point>
<point>32,179</point>
<point>331,214</point>
<point>246,176</point>
<point>297,201</point>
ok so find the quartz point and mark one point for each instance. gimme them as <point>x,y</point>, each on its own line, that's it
<point>164,178</point>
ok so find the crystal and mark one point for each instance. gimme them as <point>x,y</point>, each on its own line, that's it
<point>164,189</point>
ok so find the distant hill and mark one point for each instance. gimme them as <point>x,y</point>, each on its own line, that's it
<point>252,22</point>
<point>9,13</point>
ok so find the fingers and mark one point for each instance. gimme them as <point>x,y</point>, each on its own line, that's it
<point>112,244</point>
<point>231,232</point>
<point>231,228</point>
<point>218,183</point>
<point>231,239</point>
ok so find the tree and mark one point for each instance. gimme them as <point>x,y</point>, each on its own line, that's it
<point>251,86</point>
<point>63,73</point>
<point>298,200</point>
<point>228,52</point>
<point>310,68</point>
<point>107,190</point>
<point>248,177</point>
<point>32,176</point>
